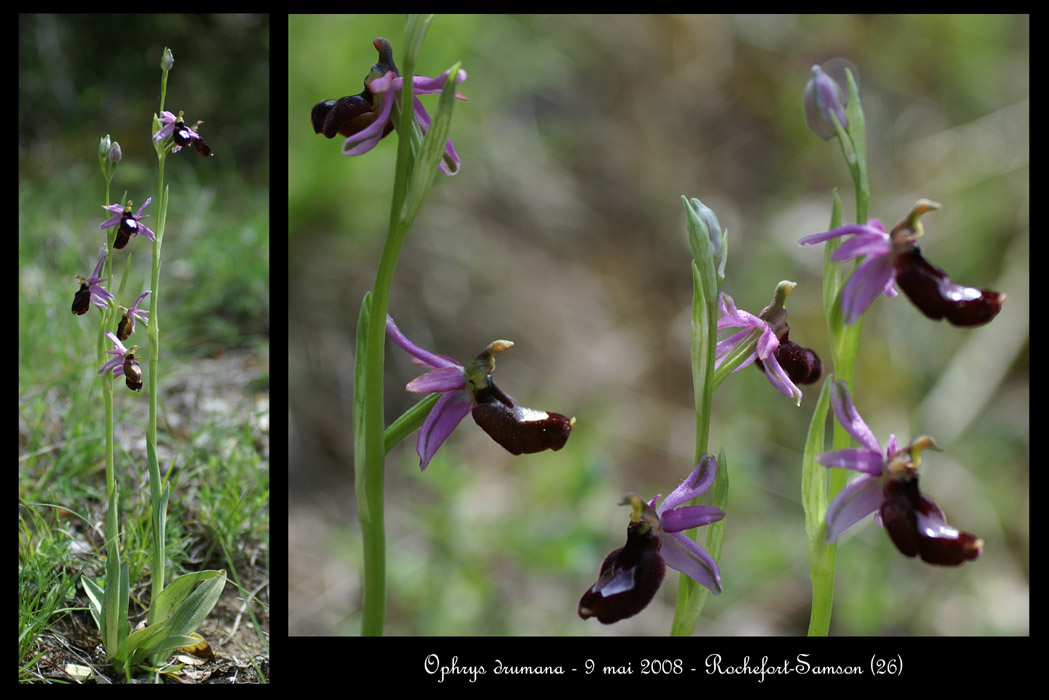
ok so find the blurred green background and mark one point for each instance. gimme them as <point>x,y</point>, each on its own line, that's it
<point>82,77</point>
<point>565,232</point>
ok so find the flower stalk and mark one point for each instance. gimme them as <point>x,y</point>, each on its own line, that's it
<point>709,244</point>
<point>822,91</point>
<point>418,157</point>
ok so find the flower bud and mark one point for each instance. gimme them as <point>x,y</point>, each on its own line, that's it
<point>705,229</point>
<point>114,153</point>
<point>824,103</point>
<point>167,61</point>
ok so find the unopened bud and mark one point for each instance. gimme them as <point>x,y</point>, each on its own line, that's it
<point>824,103</point>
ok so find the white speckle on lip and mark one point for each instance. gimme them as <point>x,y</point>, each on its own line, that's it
<point>527,415</point>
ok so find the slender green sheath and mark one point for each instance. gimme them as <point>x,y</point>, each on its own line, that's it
<point>814,479</point>
<point>157,583</point>
<point>707,276</point>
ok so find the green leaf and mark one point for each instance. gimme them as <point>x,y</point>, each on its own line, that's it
<point>702,354</point>
<point>181,615</point>
<point>95,598</point>
<point>174,631</point>
<point>409,421</point>
<point>814,475</point>
<point>138,643</point>
<point>833,275</point>
<point>814,500</point>
<point>696,596</point>
<point>857,128</point>
<point>432,151</point>
<point>192,611</point>
<point>174,594</point>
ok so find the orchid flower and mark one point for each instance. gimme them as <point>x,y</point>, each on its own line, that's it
<point>631,575</point>
<point>784,362</point>
<point>181,134</point>
<point>128,223</point>
<point>893,258</point>
<point>470,389</point>
<point>91,290</point>
<point>127,322</point>
<point>889,488</point>
<point>123,363</point>
<point>366,118</point>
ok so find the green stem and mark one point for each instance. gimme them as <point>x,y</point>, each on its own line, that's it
<point>370,452</point>
<point>706,284</point>
<point>371,497</point>
<point>157,500</point>
<point>844,341</point>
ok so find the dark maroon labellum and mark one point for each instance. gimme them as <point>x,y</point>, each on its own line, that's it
<point>802,365</point>
<point>346,115</point>
<point>128,228</point>
<point>82,300</point>
<point>899,514</point>
<point>186,137</point>
<point>518,429</point>
<point>629,578</point>
<point>932,291</point>
<point>202,148</point>
<point>352,114</point>
<point>124,327</point>
<point>132,372</point>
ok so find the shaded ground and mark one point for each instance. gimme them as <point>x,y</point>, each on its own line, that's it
<point>238,655</point>
<point>228,390</point>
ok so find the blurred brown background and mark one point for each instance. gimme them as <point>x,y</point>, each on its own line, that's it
<point>565,233</point>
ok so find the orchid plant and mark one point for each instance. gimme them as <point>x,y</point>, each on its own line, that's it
<point>886,259</point>
<point>177,609</point>
<point>387,103</point>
